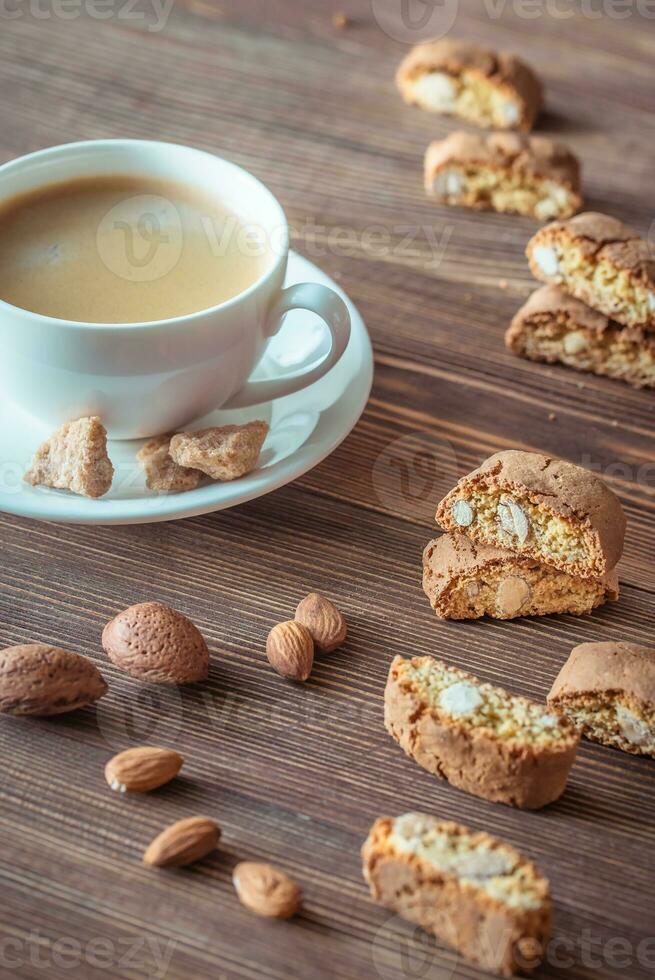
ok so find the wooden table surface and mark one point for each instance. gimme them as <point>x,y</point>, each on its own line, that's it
<point>296,774</point>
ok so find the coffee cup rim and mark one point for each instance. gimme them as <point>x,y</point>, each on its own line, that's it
<point>280,257</point>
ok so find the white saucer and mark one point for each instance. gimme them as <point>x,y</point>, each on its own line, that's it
<point>305,428</point>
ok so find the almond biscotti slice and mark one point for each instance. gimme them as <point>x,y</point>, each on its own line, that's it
<point>480,738</point>
<point>489,88</point>
<point>559,329</point>
<point>464,580</point>
<point>608,692</point>
<point>542,508</point>
<point>474,892</point>
<point>74,458</point>
<point>600,261</point>
<point>528,175</point>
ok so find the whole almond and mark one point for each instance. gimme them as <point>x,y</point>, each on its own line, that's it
<point>36,679</point>
<point>266,890</point>
<point>182,843</point>
<point>290,650</point>
<point>141,769</point>
<point>154,643</point>
<point>323,620</point>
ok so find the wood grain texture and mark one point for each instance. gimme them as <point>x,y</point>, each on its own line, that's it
<point>296,774</point>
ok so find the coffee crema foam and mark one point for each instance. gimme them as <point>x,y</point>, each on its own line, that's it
<point>121,249</point>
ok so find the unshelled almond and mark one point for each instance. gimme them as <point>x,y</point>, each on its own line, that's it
<point>141,769</point>
<point>265,890</point>
<point>323,620</point>
<point>36,679</point>
<point>290,650</point>
<point>156,644</point>
<point>182,843</point>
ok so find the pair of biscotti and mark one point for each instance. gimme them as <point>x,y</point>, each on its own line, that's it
<point>474,892</point>
<point>527,535</point>
<point>597,311</point>
<point>511,750</point>
<point>504,171</point>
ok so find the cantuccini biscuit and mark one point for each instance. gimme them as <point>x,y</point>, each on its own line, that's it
<point>528,175</point>
<point>493,89</point>
<point>74,458</point>
<point>225,452</point>
<point>559,329</point>
<point>547,509</point>
<point>608,692</point>
<point>474,892</point>
<point>480,738</point>
<point>163,474</point>
<point>600,261</point>
<point>465,580</point>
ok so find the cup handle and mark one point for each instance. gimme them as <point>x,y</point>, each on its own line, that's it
<point>303,296</point>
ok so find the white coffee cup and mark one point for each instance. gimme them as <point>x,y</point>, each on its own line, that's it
<point>144,379</point>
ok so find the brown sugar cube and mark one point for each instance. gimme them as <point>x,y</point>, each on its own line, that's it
<point>480,738</point>
<point>162,472</point>
<point>489,88</point>
<point>558,329</point>
<point>600,261</point>
<point>608,691</point>
<point>472,891</point>
<point>528,175</point>
<point>223,453</point>
<point>542,508</point>
<point>74,458</point>
<point>465,580</point>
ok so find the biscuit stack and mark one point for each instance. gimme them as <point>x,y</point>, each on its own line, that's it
<point>596,311</point>
<point>526,536</point>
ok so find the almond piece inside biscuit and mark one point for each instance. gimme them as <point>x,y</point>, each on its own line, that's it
<point>546,258</point>
<point>513,519</point>
<point>513,593</point>
<point>463,513</point>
